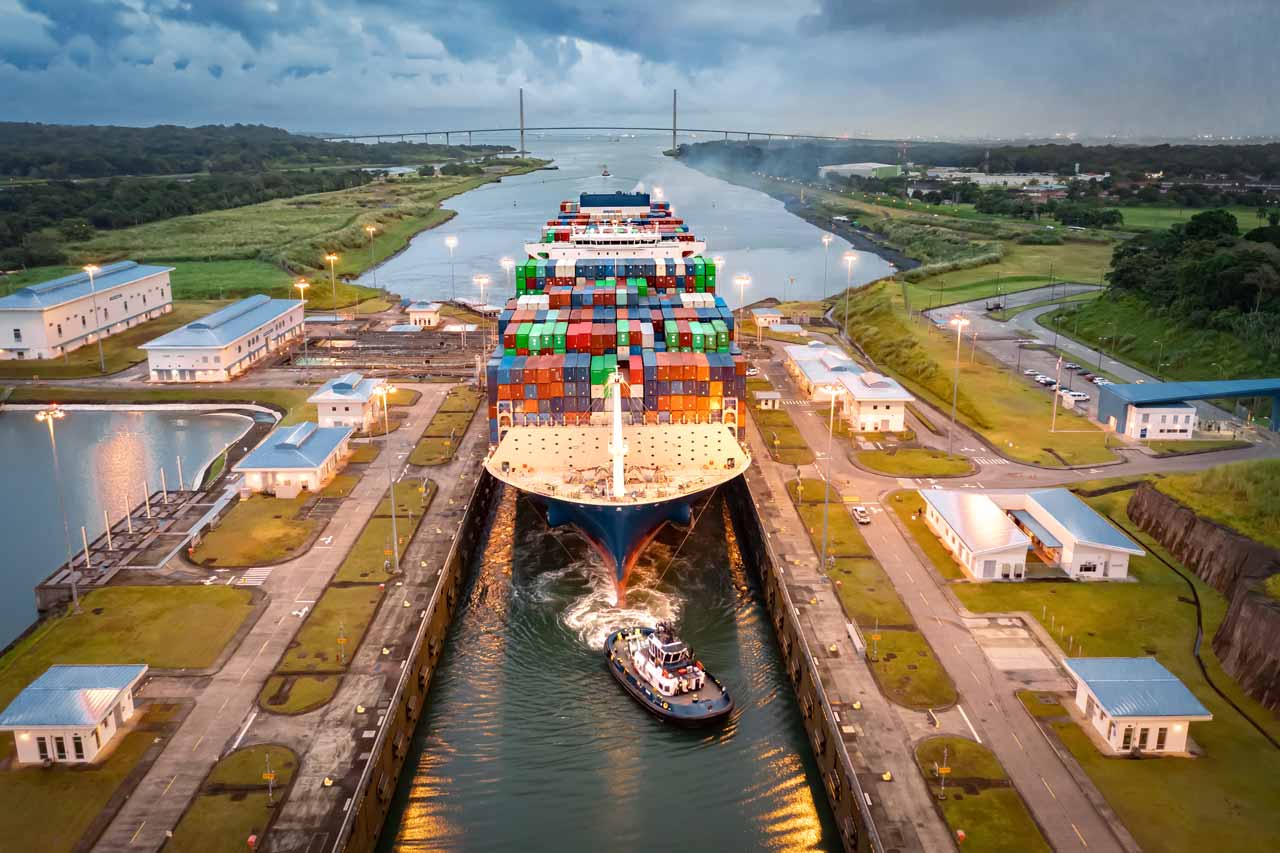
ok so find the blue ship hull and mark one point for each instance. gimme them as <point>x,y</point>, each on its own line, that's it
<point>619,533</point>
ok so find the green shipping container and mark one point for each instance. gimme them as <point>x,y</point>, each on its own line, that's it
<point>623,333</point>
<point>709,268</point>
<point>522,335</point>
<point>722,335</point>
<point>561,337</point>
<point>698,339</point>
<point>535,338</point>
<point>597,370</point>
<point>643,288</point>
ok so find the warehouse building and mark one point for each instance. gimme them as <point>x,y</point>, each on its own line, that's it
<point>71,713</point>
<point>1135,704</point>
<point>979,535</point>
<point>293,459</point>
<point>860,170</point>
<point>766,317</point>
<point>991,532</point>
<point>424,315</point>
<point>52,318</point>
<point>349,400</point>
<point>869,401</point>
<point>1160,410</point>
<point>226,343</point>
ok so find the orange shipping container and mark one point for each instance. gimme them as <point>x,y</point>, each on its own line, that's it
<point>664,403</point>
<point>717,389</point>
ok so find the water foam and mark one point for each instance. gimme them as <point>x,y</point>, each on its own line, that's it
<point>591,611</point>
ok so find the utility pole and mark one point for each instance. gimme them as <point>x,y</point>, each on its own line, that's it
<point>522,151</point>
<point>673,122</point>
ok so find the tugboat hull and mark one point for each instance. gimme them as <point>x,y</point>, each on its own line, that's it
<point>712,704</point>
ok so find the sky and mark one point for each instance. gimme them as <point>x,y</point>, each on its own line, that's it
<point>884,68</point>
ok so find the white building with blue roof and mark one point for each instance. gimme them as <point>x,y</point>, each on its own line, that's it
<point>869,401</point>
<point>71,713</point>
<point>424,315</point>
<point>349,400</point>
<point>55,317</point>
<point>766,317</point>
<point>222,345</point>
<point>1135,704</point>
<point>293,459</point>
<point>979,535</point>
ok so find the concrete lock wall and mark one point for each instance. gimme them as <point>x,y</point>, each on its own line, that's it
<point>371,800</point>
<point>844,792</point>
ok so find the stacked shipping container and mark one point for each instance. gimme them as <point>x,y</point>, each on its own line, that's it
<point>574,323</point>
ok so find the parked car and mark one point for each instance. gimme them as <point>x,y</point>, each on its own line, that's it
<point>861,515</point>
<point>1071,365</point>
<point>753,371</point>
<point>1030,371</point>
<point>1068,394</point>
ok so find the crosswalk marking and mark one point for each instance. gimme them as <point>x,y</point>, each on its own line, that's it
<point>795,402</point>
<point>253,577</point>
<point>990,460</point>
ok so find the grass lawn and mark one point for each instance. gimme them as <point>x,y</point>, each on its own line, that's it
<point>128,624</point>
<point>461,398</point>
<point>1181,448</point>
<point>1244,496</point>
<point>1020,268</point>
<point>258,529</point>
<point>1042,705</point>
<point>342,611</point>
<point>1128,329</point>
<point>232,804</point>
<point>293,402</point>
<point>440,439</point>
<point>367,557</point>
<point>915,462</point>
<point>444,424</point>
<point>120,350</point>
<point>405,396</point>
<point>906,669</point>
<point>778,430</point>
<point>297,694</point>
<point>51,809</point>
<point>364,453</point>
<point>906,504</point>
<point>340,486</point>
<point>432,450</point>
<point>1223,800</point>
<point>1011,413</point>
<point>980,799</point>
<point>1150,218</point>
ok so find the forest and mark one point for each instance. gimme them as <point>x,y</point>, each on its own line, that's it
<point>36,219</point>
<point>54,151</point>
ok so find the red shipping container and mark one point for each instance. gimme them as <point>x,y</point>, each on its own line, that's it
<point>633,333</point>
<point>664,366</point>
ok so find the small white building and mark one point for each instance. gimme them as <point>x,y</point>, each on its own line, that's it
<point>1067,533</point>
<point>768,399</point>
<point>1135,704</point>
<point>226,343</point>
<point>424,315</point>
<point>818,368</point>
<point>766,317</point>
<point>1163,421</point>
<point>49,319</point>
<point>293,459</point>
<point>350,400</point>
<point>980,535</point>
<point>874,403</point>
<point>71,713</point>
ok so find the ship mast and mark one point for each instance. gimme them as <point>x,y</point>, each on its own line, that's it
<point>618,447</point>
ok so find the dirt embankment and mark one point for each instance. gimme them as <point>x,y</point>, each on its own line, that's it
<point>1248,640</point>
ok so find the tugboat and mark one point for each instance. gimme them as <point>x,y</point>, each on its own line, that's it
<point>604,173</point>
<point>659,671</point>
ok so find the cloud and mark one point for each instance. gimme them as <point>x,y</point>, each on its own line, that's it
<point>880,68</point>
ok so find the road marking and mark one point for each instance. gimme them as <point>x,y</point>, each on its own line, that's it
<point>972,730</point>
<point>925,600</point>
<point>975,676</point>
<point>1015,740</point>
<point>1078,835</point>
<point>197,743</point>
<point>244,731</point>
<point>136,834</point>
<point>1047,788</point>
<point>170,785</point>
<point>254,577</point>
<point>990,460</point>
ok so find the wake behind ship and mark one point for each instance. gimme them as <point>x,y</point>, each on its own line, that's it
<point>616,391</point>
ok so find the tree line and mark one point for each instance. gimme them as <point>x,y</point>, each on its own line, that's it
<point>53,151</point>
<point>37,219</point>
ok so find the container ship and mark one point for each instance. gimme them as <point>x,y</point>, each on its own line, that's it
<point>616,391</point>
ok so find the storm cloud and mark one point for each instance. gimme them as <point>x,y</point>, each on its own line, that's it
<point>878,67</point>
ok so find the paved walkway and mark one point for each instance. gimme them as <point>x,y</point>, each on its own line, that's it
<point>227,704</point>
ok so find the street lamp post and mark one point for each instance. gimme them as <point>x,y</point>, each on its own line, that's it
<point>385,391</point>
<point>742,280</point>
<point>826,500</point>
<point>482,280</point>
<point>826,254</point>
<point>302,284</point>
<point>850,258</point>
<point>47,417</point>
<point>92,269</point>
<point>1160,358</point>
<point>959,322</point>
<point>333,279</point>
<point>452,242</point>
<point>370,230</point>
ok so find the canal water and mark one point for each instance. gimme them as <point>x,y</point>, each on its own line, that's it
<point>528,744</point>
<point>105,456</point>
<point>750,230</point>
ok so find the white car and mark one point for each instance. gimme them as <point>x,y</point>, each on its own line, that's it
<point>753,371</point>
<point>861,515</point>
<point>1030,371</point>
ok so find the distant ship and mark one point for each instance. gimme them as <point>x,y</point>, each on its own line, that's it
<point>604,173</point>
<point>616,391</point>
